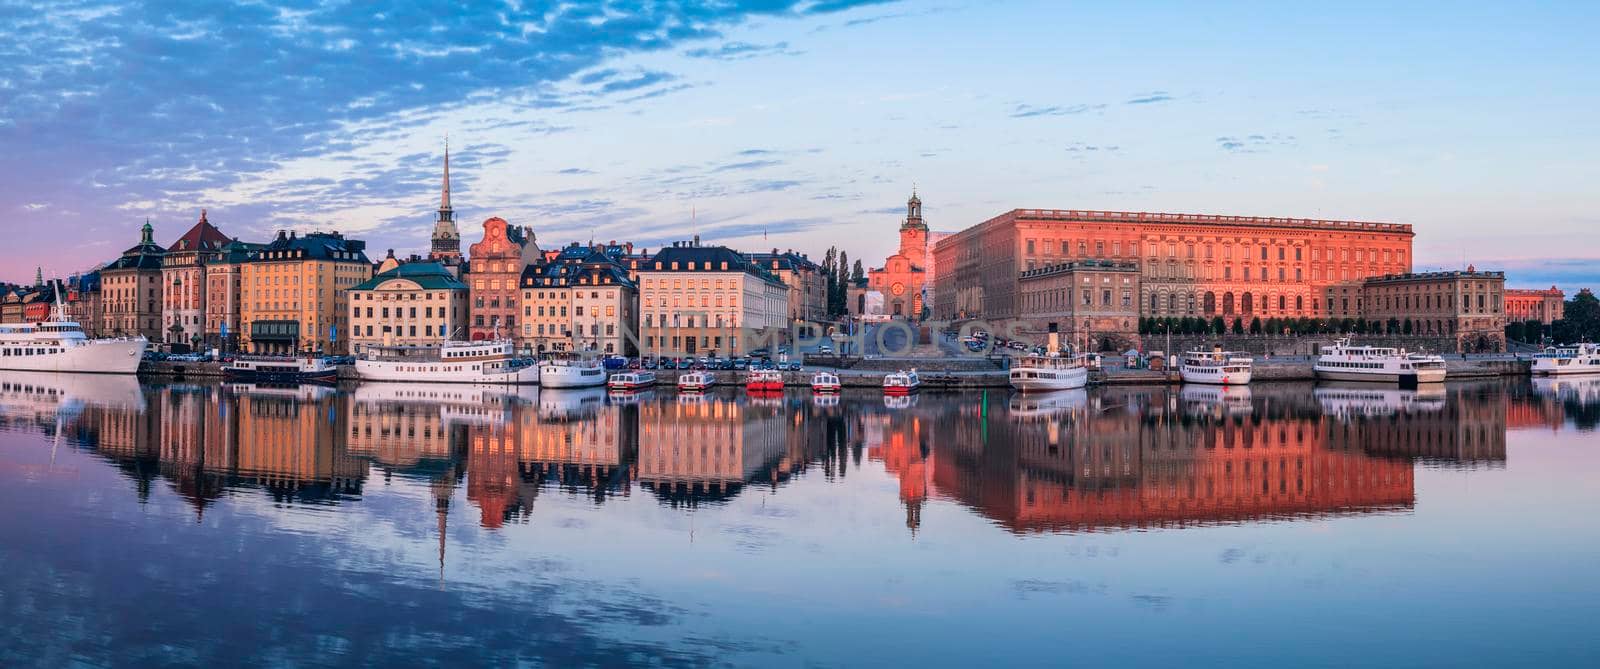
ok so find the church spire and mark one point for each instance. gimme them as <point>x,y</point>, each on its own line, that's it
<point>914,211</point>
<point>445,212</point>
<point>446,238</point>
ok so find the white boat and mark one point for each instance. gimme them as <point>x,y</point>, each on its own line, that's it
<point>59,345</point>
<point>274,369</point>
<point>764,381</point>
<point>902,383</point>
<point>1044,373</point>
<point>825,382</point>
<point>1342,361</point>
<point>568,370</point>
<point>1216,366</point>
<point>696,381</point>
<point>635,379</point>
<point>448,362</point>
<point>1576,359</point>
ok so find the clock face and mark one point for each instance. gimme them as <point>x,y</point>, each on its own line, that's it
<point>898,289</point>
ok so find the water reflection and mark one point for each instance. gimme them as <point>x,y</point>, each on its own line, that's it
<point>1067,461</point>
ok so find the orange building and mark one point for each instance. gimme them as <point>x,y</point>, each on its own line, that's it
<point>1190,264</point>
<point>495,270</point>
<point>903,276</point>
<point>1545,306</point>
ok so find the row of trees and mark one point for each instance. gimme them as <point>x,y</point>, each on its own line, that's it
<point>1580,322</point>
<point>839,274</point>
<point>1189,325</point>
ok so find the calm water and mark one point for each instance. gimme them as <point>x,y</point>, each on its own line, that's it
<point>389,525</point>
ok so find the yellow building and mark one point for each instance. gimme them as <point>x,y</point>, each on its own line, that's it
<point>698,300</point>
<point>294,294</point>
<point>581,301</point>
<point>414,304</point>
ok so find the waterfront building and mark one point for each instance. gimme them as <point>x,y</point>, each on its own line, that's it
<point>694,300</point>
<point>224,285</point>
<point>36,305</point>
<point>81,295</point>
<point>446,241</point>
<point>1190,264</point>
<point>413,304</point>
<point>183,283</point>
<point>294,295</point>
<point>903,276</point>
<point>494,276</point>
<point>11,304</point>
<point>1545,306</point>
<point>1092,303</point>
<point>582,300</point>
<point>1464,306</point>
<point>131,290</point>
<point>808,288</point>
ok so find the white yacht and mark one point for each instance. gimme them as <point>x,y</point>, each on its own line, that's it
<point>570,370</point>
<point>902,383</point>
<point>631,380</point>
<point>1217,367</point>
<point>59,345</point>
<point>1576,359</point>
<point>1043,373</point>
<point>448,362</point>
<point>272,369</point>
<point>1343,362</point>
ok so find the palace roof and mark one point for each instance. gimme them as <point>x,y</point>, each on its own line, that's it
<point>203,237</point>
<point>429,275</point>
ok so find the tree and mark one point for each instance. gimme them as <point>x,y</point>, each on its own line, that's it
<point>857,273</point>
<point>1394,326</point>
<point>1218,326</point>
<point>1238,326</point>
<point>1255,325</point>
<point>1405,326</point>
<point>1515,331</point>
<point>841,287</point>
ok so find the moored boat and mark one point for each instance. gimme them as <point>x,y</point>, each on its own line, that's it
<point>59,345</point>
<point>304,369</point>
<point>637,379</point>
<point>1576,359</point>
<point>825,382</point>
<point>1216,366</point>
<point>1044,373</point>
<point>696,381</point>
<point>448,362</point>
<point>764,380</point>
<point>1342,361</point>
<point>568,370</point>
<point>902,383</point>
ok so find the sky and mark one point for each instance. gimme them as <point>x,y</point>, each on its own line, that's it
<point>796,124</point>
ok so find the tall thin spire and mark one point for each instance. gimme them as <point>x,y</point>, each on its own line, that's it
<point>446,238</point>
<point>444,198</point>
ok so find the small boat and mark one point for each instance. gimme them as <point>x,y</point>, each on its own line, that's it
<point>1215,366</point>
<point>1036,373</point>
<point>902,383</point>
<point>448,362</point>
<point>569,370</point>
<point>637,379</point>
<point>1576,359</point>
<point>825,382</point>
<point>696,381</point>
<point>280,369</point>
<point>764,380</point>
<point>1343,362</point>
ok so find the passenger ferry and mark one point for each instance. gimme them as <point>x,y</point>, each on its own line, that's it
<point>764,380</point>
<point>902,383</point>
<point>696,381</point>
<point>825,382</point>
<point>310,368</point>
<point>569,370</point>
<point>1216,366</point>
<point>1343,362</point>
<point>1578,359</point>
<point>59,345</point>
<point>448,362</point>
<point>637,379</point>
<point>1044,373</point>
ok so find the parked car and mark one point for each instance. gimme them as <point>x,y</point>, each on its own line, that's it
<point>741,364</point>
<point>825,349</point>
<point>686,363</point>
<point>794,365</point>
<point>616,362</point>
<point>634,363</point>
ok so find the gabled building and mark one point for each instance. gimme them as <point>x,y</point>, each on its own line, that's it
<point>583,300</point>
<point>81,296</point>
<point>494,277</point>
<point>695,300</point>
<point>183,281</point>
<point>414,304</point>
<point>131,290</point>
<point>903,276</point>
<point>294,293</point>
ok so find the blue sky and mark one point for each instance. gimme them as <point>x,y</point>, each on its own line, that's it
<point>797,124</point>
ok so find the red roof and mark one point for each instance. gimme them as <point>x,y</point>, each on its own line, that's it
<point>202,237</point>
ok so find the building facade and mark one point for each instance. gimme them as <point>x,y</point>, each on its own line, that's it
<point>695,300</point>
<point>1545,306</point>
<point>224,286</point>
<point>82,297</point>
<point>1468,306</point>
<point>1093,304</point>
<point>579,303</point>
<point>808,288</point>
<point>1190,264</point>
<point>414,304</point>
<point>184,287</point>
<point>294,296</point>
<point>904,274</point>
<point>130,290</point>
<point>495,275</point>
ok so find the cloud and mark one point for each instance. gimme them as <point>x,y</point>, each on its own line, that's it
<point>747,165</point>
<point>1029,111</point>
<point>1150,98</point>
<point>1253,143</point>
<point>575,171</point>
<point>1079,147</point>
<point>741,51</point>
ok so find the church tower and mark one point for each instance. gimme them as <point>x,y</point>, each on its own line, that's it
<point>914,233</point>
<point>446,238</point>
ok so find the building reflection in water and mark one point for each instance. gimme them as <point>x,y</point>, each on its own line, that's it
<point>1074,461</point>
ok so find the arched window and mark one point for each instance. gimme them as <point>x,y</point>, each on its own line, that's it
<point>1227,303</point>
<point>1249,301</point>
<point>1210,303</point>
